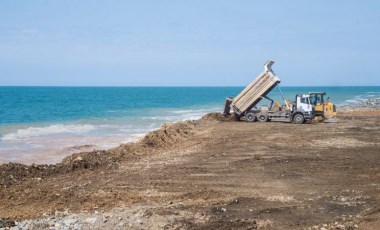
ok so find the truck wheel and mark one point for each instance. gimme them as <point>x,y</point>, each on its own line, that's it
<point>298,119</point>
<point>250,117</point>
<point>263,118</point>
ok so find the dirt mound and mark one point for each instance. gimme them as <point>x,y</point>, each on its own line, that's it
<point>88,160</point>
<point>168,134</point>
<point>13,172</point>
<point>218,117</point>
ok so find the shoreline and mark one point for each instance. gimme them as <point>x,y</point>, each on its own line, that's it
<point>49,143</point>
<point>367,108</point>
<point>75,159</point>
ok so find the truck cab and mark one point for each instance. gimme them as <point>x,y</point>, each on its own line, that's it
<point>302,109</point>
<point>303,103</point>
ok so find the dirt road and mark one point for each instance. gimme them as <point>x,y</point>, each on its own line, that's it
<point>215,174</point>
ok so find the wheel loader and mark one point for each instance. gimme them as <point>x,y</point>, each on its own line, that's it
<point>323,109</point>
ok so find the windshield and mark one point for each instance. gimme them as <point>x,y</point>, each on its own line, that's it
<point>316,99</point>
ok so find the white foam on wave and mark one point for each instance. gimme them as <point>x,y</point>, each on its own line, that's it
<point>184,111</point>
<point>353,101</point>
<point>181,115</point>
<point>163,118</point>
<point>27,133</point>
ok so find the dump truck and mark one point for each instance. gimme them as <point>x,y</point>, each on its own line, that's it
<point>244,105</point>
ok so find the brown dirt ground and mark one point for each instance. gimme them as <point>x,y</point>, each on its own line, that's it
<point>240,175</point>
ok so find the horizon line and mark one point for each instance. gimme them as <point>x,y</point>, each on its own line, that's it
<point>182,86</point>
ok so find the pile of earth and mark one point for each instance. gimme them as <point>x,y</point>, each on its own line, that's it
<point>218,117</point>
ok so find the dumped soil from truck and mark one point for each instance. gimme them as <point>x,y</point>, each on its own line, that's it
<point>218,117</point>
<point>213,173</point>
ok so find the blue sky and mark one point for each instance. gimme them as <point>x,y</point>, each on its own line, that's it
<point>188,43</point>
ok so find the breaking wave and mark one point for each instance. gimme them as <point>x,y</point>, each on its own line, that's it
<point>27,133</point>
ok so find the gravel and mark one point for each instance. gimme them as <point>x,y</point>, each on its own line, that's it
<point>117,218</point>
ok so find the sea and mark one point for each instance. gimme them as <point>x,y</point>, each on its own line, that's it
<point>45,124</point>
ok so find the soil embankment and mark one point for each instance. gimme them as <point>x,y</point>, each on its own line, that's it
<point>214,173</point>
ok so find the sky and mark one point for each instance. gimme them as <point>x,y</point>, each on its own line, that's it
<point>188,43</point>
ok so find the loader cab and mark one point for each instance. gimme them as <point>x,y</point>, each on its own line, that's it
<point>317,98</point>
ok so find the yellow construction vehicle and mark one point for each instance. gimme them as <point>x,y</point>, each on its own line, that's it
<point>323,109</point>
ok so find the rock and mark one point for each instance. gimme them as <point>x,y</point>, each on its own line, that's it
<point>78,158</point>
<point>6,223</point>
<point>21,225</point>
<point>218,209</point>
<point>58,213</point>
<point>91,220</point>
<point>341,226</point>
<point>70,221</point>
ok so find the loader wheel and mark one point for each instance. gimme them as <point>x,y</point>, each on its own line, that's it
<point>298,119</point>
<point>263,118</point>
<point>250,117</point>
<point>320,118</point>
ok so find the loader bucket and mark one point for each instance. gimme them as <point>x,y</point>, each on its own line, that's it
<point>227,107</point>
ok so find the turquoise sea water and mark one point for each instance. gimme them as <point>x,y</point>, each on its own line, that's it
<point>43,124</point>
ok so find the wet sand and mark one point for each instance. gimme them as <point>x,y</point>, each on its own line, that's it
<point>213,173</point>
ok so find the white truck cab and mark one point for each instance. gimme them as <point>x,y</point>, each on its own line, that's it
<point>303,103</point>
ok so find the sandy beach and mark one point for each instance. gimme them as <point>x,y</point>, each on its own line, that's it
<point>212,173</point>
